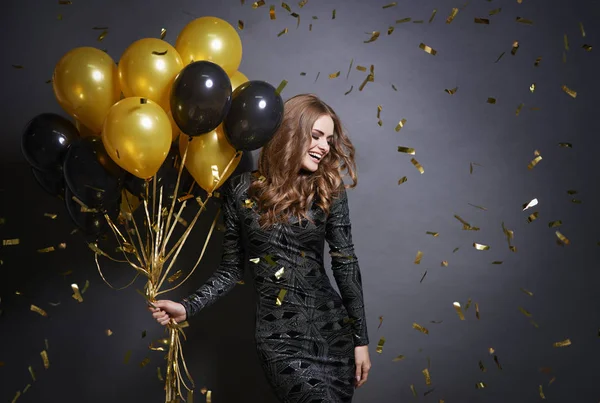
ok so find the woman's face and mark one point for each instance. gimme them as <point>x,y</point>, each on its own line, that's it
<point>321,138</point>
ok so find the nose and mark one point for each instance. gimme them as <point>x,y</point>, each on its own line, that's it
<point>324,146</point>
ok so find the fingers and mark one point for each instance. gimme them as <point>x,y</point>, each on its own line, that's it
<point>362,371</point>
<point>161,316</point>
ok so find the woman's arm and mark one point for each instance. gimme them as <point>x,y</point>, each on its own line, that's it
<point>231,268</point>
<point>345,266</point>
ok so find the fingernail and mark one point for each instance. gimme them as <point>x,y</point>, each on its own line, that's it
<point>358,379</point>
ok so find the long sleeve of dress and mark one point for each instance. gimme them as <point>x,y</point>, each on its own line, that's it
<point>344,264</point>
<point>231,268</point>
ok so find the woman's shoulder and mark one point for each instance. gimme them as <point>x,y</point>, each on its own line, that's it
<point>239,183</point>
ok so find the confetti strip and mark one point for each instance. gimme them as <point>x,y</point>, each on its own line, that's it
<point>379,121</point>
<point>564,343</point>
<point>499,57</point>
<point>285,31</point>
<point>527,292</point>
<point>393,5</point>
<point>32,373</point>
<point>427,376</point>
<point>272,12</point>
<point>102,36</point>
<point>420,328</point>
<point>542,392</point>
<point>482,21</point>
<point>333,14</point>
<point>406,150</point>
<point>334,75</point>
<point>569,91</point>
<point>399,358</point>
<point>349,91</point>
<point>562,238</point>
<point>279,300</point>
<point>423,277</point>
<point>458,310</point>
<point>432,15</point>
<point>452,15</point>
<point>518,111</point>
<point>390,30</point>
<point>537,61</point>
<point>586,47</point>
<point>480,385</point>
<point>491,100</point>
<point>403,20</point>
<point>240,25</point>
<point>281,86</point>
<point>515,47</point>
<point>495,11</point>
<point>566,41</point>
<point>45,359</point>
<point>414,391</point>
<point>532,203</point>
<point>534,162</point>
<point>402,180</point>
<point>434,234</point>
<point>374,36</point>
<point>482,367</point>
<point>380,322</point>
<point>480,246</point>
<point>163,33</point>
<point>417,165</point>
<point>380,345</point>
<point>451,91</point>
<point>108,332</point>
<point>477,310</point>
<point>10,242</point>
<point>400,125</point>
<point>39,310</point>
<point>258,4</point>
<point>76,295</point>
<point>51,216</point>
<point>532,217</point>
<point>525,312</point>
<point>524,21</point>
<point>279,273</point>
<point>418,257</point>
<point>46,250</point>
<point>428,49</point>
<point>554,224</point>
<point>144,362</point>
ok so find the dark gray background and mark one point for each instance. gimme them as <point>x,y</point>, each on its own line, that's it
<point>389,221</point>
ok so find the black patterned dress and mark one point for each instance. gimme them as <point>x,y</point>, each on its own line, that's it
<point>305,331</point>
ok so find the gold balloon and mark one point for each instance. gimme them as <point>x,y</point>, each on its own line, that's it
<point>137,136</point>
<point>237,79</point>
<point>148,68</point>
<point>212,39</point>
<point>208,156</point>
<point>86,85</point>
<point>84,131</point>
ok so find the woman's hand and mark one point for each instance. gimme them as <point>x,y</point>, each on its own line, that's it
<point>166,310</point>
<point>363,364</point>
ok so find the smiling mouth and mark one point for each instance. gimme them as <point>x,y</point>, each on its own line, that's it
<point>315,157</point>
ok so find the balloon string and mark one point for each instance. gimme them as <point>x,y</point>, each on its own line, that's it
<point>106,281</point>
<point>116,231</point>
<point>138,233</point>
<point>199,258</point>
<point>181,166</point>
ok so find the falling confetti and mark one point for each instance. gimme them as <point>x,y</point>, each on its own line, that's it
<point>515,47</point>
<point>458,310</point>
<point>428,49</point>
<point>102,36</point>
<point>451,91</point>
<point>491,100</point>
<point>452,15</point>
<point>373,38</point>
<point>564,343</point>
<point>427,376</point>
<point>39,310</point>
<point>402,180</point>
<point>334,75</point>
<point>281,86</point>
<point>272,12</point>
<point>380,345</point>
<point>569,91</point>
<point>562,238</point>
<point>479,246</point>
<point>420,328</point>
<point>400,125</point>
<point>45,359</point>
<point>532,203</point>
<point>418,257</point>
<point>406,150</point>
<point>524,21</point>
<point>285,30</point>
<point>258,4</point>
<point>393,5</point>
<point>482,21</point>
<point>417,165</point>
<point>403,20</point>
<point>279,300</point>
<point>432,15</point>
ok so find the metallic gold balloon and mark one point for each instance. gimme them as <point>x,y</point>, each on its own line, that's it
<point>208,156</point>
<point>137,136</point>
<point>86,85</point>
<point>237,79</point>
<point>147,69</point>
<point>212,39</point>
<point>83,130</point>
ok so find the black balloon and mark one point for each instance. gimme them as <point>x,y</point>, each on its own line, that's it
<point>166,177</point>
<point>91,223</point>
<point>255,115</point>
<point>46,139</point>
<point>53,182</point>
<point>91,174</point>
<point>200,97</point>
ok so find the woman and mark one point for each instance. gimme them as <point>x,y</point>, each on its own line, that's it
<point>312,342</point>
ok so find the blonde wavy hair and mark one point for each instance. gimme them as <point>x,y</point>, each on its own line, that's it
<point>286,189</point>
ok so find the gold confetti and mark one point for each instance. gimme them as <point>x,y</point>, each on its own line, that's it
<point>414,391</point>
<point>258,4</point>
<point>393,5</point>
<point>537,61</point>
<point>102,36</point>
<point>587,47</point>
<point>76,295</point>
<point>62,245</point>
<point>157,53</point>
<point>175,276</point>
<point>302,3</point>
<point>534,162</point>
<point>406,150</point>
<point>418,258</point>
<point>515,47</point>
<point>417,165</point>
<point>333,14</point>
<point>532,203</point>
<point>373,38</point>
<point>402,180</point>
<point>482,21</point>
<point>334,75</point>
<point>452,15</point>
<point>281,86</point>
<point>32,373</point>
<point>400,125</point>
<point>403,20</point>
<point>525,312</point>
<point>361,68</point>
<point>495,11</point>
<point>420,328</point>
<point>432,15</point>
<point>285,30</point>
<point>428,49</point>
<point>518,111</point>
<point>491,100</point>
<point>10,242</point>
<point>279,300</point>
<point>564,343</point>
<point>46,250</point>
<point>380,345</point>
<point>542,392</point>
<point>451,91</point>
<point>524,21</point>
<point>480,246</point>
<point>582,30</point>
<point>108,332</point>
<point>418,21</point>
<point>427,376</point>
<point>399,358</point>
<point>349,68</point>
<point>349,91</point>
<point>554,224</point>
<point>532,217</point>
<point>51,216</point>
<point>481,366</point>
<point>45,359</point>
<point>286,7</point>
<point>279,273</point>
<point>562,238</point>
<point>458,310</point>
<point>163,33</point>
<point>240,25</point>
<point>394,87</point>
<point>480,385</point>
<point>565,145</point>
<point>144,362</point>
<point>310,27</point>
<point>272,12</point>
<point>569,91</point>
<point>380,322</point>
<point>477,310</point>
<point>39,310</point>
<point>434,234</point>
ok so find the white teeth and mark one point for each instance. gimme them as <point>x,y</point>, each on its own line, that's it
<point>317,156</point>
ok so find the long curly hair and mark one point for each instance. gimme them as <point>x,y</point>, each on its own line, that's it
<point>284,189</point>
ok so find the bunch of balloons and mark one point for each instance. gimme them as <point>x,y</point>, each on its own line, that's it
<point>132,122</point>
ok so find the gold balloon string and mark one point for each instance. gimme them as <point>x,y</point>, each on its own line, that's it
<point>116,231</point>
<point>137,232</point>
<point>181,166</point>
<point>172,228</point>
<point>106,281</point>
<point>150,233</point>
<point>99,251</point>
<point>158,229</point>
<point>212,227</point>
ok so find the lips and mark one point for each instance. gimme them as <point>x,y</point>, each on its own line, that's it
<point>315,156</point>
